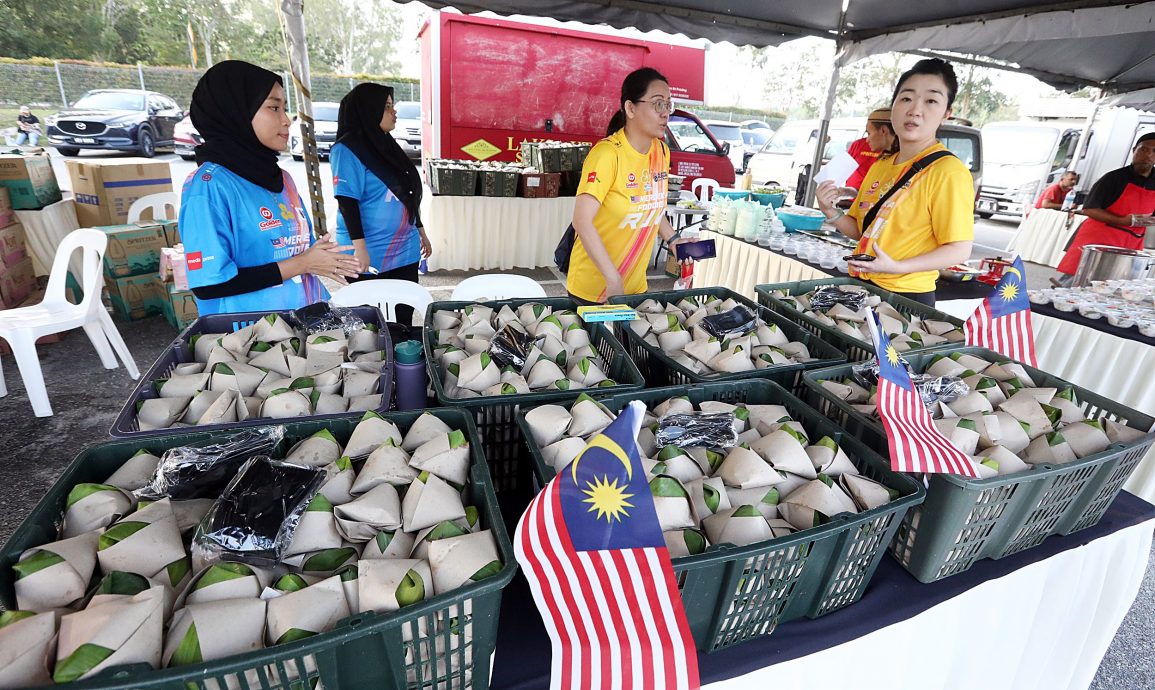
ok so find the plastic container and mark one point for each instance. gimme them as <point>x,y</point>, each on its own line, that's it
<point>409,379</point>
<point>775,200</point>
<point>366,651</point>
<point>736,194</point>
<point>735,593</point>
<point>496,416</point>
<point>659,370</point>
<point>795,218</point>
<point>180,351</point>
<point>965,520</point>
<point>856,349</point>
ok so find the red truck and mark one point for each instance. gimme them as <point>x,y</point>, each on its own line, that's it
<point>489,84</point>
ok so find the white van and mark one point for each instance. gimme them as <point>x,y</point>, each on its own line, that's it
<point>1022,159</point>
<point>787,156</point>
<point>730,133</point>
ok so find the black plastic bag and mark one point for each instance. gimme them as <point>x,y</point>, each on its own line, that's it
<point>697,430</point>
<point>510,347</point>
<point>203,470</point>
<point>827,296</point>
<point>932,388</point>
<point>737,320</point>
<point>255,517</point>
<point>324,316</point>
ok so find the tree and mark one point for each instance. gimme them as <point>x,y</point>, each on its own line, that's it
<point>354,36</point>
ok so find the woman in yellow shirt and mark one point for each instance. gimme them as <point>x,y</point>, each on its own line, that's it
<point>929,224</point>
<point>621,199</point>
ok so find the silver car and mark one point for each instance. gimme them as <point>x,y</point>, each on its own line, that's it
<point>324,130</point>
<point>408,129</point>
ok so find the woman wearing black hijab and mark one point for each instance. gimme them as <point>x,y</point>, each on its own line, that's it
<point>378,189</point>
<point>247,237</point>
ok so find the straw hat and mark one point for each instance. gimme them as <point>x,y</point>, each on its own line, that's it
<point>879,115</point>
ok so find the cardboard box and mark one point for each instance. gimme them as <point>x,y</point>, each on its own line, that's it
<point>181,308</point>
<point>13,248</point>
<point>105,189</point>
<point>133,249</point>
<point>7,213</point>
<point>171,232</point>
<point>137,297</point>
<point>29,179</point>
<point>17,282</point>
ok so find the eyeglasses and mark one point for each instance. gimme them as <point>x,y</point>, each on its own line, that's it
<point>660,105</point>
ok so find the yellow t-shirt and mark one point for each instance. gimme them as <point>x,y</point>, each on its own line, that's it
<point>631,187</point>
<point>938,208</point>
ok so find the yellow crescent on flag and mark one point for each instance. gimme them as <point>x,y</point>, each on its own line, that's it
<point>1012,269</point>
<point>603,441</point>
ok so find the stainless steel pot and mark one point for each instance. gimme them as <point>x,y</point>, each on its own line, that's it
<point>1104,262</point>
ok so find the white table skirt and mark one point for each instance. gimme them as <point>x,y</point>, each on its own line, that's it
<point>474,232</point>
<point>1043,235</point>
<point>45,229</point>
<point>740,266</point>
<point>1043,627</point>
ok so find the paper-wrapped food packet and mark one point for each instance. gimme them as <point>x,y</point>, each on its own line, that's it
<point>318,450</point>
<point>339,478</point>
<point>588,417</point>
<point>93,506</point>
<point>1049,448</point>
<point>424,428</point>
<point>672,503</point>
<point>865,492</point>
<point>560,454</point>
<point>371,432</point>
<point>285,403</point>
<point>214,630</point>
<point>548,423</point>
<point>785,449</point>
<point>55,575</point>
<point>707,496</point>
<point>363,517</point>
<point>160,413</point>
<point>388,585</point>
<point>1001,460</point>
<point>27,648</point>
<point>446,455</point>
<point>468,558</point>
<point>828,458</point>
<point>745,469</point>
<point>136,472</point>
<point>224,581</point>
<point>1086,437</point>
<point>308,612</point>
<point>147,543</point>
<point>389,544</point>
<point>478,372</point>
<point>317,528</point>
<point>116,633</point>
<point>740,526</point>
<point>428,501</point>
<point>811,504</point>
<point>388,464</point>
<point>685,542</point>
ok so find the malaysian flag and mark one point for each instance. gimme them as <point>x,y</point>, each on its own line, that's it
<point>593,553</point>
<point>1003,321</point>
<point>916,445</point>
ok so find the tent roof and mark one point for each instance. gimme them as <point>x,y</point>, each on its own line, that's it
<point>1066,44</point>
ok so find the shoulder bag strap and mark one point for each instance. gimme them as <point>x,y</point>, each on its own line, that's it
<point>919,166</point>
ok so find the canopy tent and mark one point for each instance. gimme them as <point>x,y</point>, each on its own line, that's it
<point>1070,45</point>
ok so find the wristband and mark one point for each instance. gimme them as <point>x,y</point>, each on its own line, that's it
<point>836,217</point>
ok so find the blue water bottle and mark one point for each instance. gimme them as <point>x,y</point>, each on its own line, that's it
<point>409,378</point>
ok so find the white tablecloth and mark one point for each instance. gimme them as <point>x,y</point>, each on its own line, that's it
<point>474,232</point>
<point>1045,626</point>
<point>740,266</point>
<point>1042,236</point>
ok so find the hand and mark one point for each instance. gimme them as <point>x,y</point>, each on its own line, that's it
<point>672,246</point>
<point>327,259</point>
<point>426,245</point>
<point>882,263</point>
<point>362,256</point>
<point>827,196</point>
<point>615,287</point>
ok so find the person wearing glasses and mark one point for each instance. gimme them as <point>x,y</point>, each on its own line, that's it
<point>621,199</point>
<point>378,190</point>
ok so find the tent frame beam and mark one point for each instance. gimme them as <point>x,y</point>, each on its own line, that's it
<point>1043,75</point>
<point>1070,5</point>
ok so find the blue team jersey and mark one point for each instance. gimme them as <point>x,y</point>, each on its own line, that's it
<point>227,222</point>
<point>390,235</point>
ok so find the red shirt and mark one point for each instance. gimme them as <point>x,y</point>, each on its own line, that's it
<point>1055,193</point>
<point>860,151</point>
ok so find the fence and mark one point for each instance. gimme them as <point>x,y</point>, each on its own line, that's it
<point>50,86</point>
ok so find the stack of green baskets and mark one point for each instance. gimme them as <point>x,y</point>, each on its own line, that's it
<point>965,520</point>
<point>659,370</point>
<point>496,416</point>
<point>734,593</point>
<point>856,349</point>
<point>367,651</point>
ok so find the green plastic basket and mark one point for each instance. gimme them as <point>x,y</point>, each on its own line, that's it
<point>856,349</point>
<point>965,520</point>
<point>496,416</point>
<point>734,593</point>
<point>366,651</point>
<point>660,370</point>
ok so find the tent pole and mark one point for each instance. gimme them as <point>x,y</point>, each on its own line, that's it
<point>292,16</point>
<point>807,196</point>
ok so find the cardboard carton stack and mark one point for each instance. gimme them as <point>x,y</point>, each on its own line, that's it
<point>181,307</point>
<point>17,281</point>
<point>29,179</point>
<point>105,189</point>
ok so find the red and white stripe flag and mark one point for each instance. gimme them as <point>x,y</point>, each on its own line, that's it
<point>916,444</point>
<point>1003,321</point>
<point>592,549</point>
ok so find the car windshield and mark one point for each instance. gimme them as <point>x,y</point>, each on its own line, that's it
<point>755,137</point>
<point>726,132</point>
<point>839,140</point>
<point>1019,145</point>
<point>110,100</point>
<point>688,134</point>
<point>963,145</point>
<point>787,139</point>
<point>327,113</point>
<point>409,110</point>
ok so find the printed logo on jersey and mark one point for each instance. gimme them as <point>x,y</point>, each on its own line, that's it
<point>336,180</point>
<point>592,178</point>
<point>207,177</point>
<point>194,261</point>
<point>269,222</point>
<point>266,213</point>
<point>286,246</point>
<point>658,177</point>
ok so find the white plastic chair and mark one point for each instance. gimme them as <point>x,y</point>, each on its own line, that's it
<point>160,205</point>
<point>492,286</point>
<point>386,294</point>
<point>22,326</point>
<point>704,187</point>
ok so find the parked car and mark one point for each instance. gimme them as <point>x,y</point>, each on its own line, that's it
<point>186,139</point>
<point>752,142</point>
<point>695,152</point>
<point>408,129</point>
<point>756,124</point>
<point>324,130</point>
<point>116,120</point>
<point>730,133</point>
